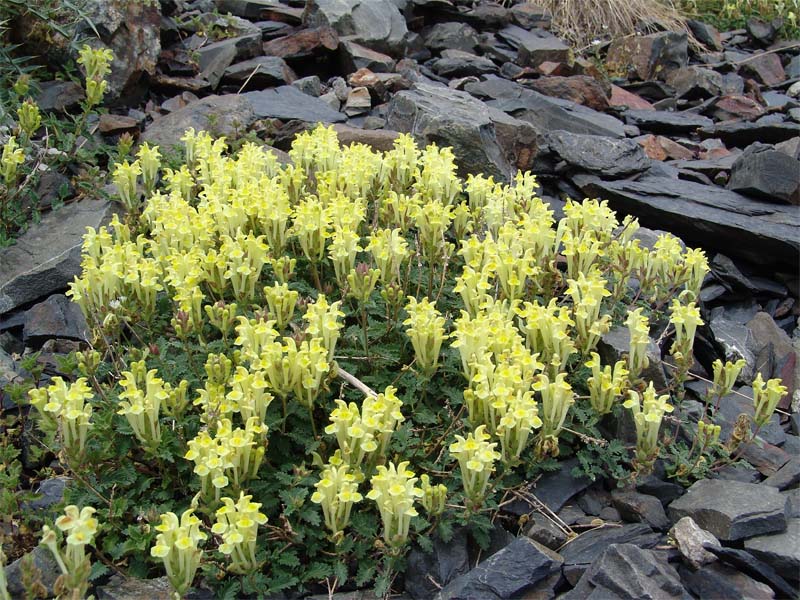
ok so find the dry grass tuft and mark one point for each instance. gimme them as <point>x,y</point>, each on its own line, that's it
<point>580,22</point>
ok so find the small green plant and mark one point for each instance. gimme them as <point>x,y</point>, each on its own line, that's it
<point>734,14</point>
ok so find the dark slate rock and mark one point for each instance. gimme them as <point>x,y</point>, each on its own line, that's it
<point>584,550</point>
<point>554,489</point>
<point>616,342</point>
<point>376,24</point>
<point>457,63</point>
<point>781,551</point>
<point>641,508</point>
<point>310,85</point>
<point>753,567</point>
<point>427,573</point>
<point>598,154</point>
<point>433,113</point>
<point>594,500</point>
<point>50,492</point>
<point>43,561</point>
<point>721,581</point>
<point>535,46</point>
<point>545,531</point>
<point>665,491</point>
<point>120,588</point>
<point>355,56</point>
<point>744,133</point>
<point>792,503</point>
<point>705,215</point>
<point>694,83</point>
<point>764,456</point>
<point>763,172</point>
<point>732,510</point>
<point>451,36</point>
<point>516,569</point>
<point>545,113</point>
<point>58,96</point>
<point>56,317</point>
<point>287,102</point>
<point>762,32</point>
<point>231,113</point>
<point>47,256</point>
<point>662,121</point>
<point>216,57</point>
<point>261,9</point>
<point>628,572</point>
<point>736,342</point>
<point>705,34</point>
<point>259,73</point>
<point>733,405</point>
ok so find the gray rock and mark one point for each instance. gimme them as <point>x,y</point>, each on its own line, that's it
<point>662,121</point>
<point>288,103</point>
<point>358,102</point>
<point>546,532</point>
<point>47,256</point>
<point>310,85</point>
<point>51,492</point>
<point>43,561</point>
<point>514,570</point>
<point>761,31</point>
<point>376,24</point>
<point>733,405</point>
<point>260,9</point>
<point>641,508</point>
<point>56,317</point>
<point>764,172</point>
<point>781,551</point>
<point>614,345</point>
<point>58,96</point>
<point>705,215</point>
<point>628,572</point>
<point>456,63</point>
<point>743,133</point>
<point>755,568</point>
<point>355,56</point>
<point>451,118</point>
<point>553,489</point>
<point>693,83</point>
<point>451,36</point>
<point>721,581</point>
<point>259,73</point>
<point>731,510</point>
<point>215,58</point>
<point>689,539</point>
<point>119,588</point>
<point>545,113</point>
<point>705,34</point>
<point>427,573</point>
<point>535,46</point>
<point>584,550</point>
<point>221,115</point>
<point>792,503</point>
<point>736,342</point>
<point>785,477</point>
<point>599,154</point>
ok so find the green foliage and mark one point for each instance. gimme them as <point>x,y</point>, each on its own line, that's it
<point>726,15</point>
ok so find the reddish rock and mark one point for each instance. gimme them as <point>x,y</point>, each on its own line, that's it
<point>303,44</point>
<point>624,98</point>
<point>648,56</point>
<point>662,148</point>
<point>737,107</point>
<point>714,153</point>
<point>549,67</point>
<point>766,68</point>
<point>578,88</point>
<point>113,123</point>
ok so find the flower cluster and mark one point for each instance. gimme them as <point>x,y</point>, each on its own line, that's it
<point>605,385</point>
<point>365,433</point>
<point>337,491</point>
<point>395,492</point>
<point>766,398</point>
<point>425,329</point>
<point>177,545</point>
<point>68,407</point>
<point>96,64</point>
<point>476,458</point>
<point>648,410</point>
<point>140,402</point>
<point>237,523</point>
<point>79,526</point>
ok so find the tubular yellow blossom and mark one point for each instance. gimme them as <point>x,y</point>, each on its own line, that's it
<point>177,545</point>
<point>394,492</point>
